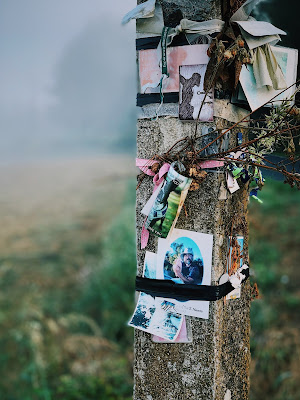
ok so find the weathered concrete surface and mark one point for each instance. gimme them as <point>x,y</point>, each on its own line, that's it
<point>218,358</point>
<point>215,366</point>
<point>196,10</point>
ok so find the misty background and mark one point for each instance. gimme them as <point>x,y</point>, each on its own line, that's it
<point>67,78</point>
<point>67,210</point>
<point>68,75</point>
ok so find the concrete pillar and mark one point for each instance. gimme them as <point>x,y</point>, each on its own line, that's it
<point>215,366</point>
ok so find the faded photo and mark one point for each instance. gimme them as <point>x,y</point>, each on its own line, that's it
<point>235,260</point>
<point>192,94</point>
<point>157,318</point>
<point>168,203</point>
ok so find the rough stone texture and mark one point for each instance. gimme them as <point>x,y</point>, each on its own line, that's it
<point>218,358</point>
<point>217,361</point>
<point>196,10</point>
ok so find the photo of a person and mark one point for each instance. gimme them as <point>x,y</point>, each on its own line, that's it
<point>183,263</point>
<point>186,259</point>
<point>168,202</point>
<point>188,270</point>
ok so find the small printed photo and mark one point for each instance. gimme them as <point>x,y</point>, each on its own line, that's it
<point>144,311</point>
<point>168,203</point>
<point>183,262</point>
<point>157,318</point>
<point>166,322</point>
<point>235,261</point>
<point>150,265</point>
<point>192,94</point>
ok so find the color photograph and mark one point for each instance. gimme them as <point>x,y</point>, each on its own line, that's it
<point>186,257</point>
<point>168,203</point>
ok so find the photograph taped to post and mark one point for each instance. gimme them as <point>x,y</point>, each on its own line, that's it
<point>150,71</point>
<point>157,318</point>
<point>192,94</point>
<point>168,203</point>
<point>186,257</point>
<point>288,60</point>
<point>184,335</point>
<point>235,261</point>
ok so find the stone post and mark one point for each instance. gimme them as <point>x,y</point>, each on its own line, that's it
<point>215,366</point>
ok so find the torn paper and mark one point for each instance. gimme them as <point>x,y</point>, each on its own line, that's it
<point>258,33</point>
<point>149,27</point>
<point>235,260</point>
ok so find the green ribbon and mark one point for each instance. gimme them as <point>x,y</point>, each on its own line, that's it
<point>164,38</point>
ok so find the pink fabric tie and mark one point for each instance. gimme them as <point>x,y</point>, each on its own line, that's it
<point>144,166</point>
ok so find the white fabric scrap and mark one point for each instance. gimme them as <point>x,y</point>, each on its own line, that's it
<point>144,10</point>
<point>204,28</point>
<point>237,278</point>
<point>149,27</point>
<point>267,71</point>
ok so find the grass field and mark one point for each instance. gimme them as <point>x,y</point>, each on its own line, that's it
<point>65,296</point>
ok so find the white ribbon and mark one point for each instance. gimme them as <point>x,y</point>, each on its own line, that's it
<point>144,10</point>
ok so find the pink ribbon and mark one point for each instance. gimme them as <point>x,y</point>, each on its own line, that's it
<point>145,165</point>
<point>159,177</point>
<point>211,164</point>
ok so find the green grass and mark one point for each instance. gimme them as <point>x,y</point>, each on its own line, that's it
<point>274,256</point>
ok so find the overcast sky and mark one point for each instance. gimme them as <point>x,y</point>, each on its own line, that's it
<point>67,67</point>
<point>67,82</point>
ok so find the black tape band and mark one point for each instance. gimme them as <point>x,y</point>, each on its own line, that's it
<point>143,99</point>
<point>184,292</point>
<point>152,42</point>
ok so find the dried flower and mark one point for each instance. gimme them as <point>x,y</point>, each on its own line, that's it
<point>155,168</point>
<point>228,55</point>
<point>194,186</point>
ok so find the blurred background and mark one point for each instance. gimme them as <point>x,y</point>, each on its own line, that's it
<point>67,201</point>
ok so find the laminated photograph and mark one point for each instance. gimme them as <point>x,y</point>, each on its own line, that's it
<point>150,71</point>
<point>157,318</point>
<point>186,257</point>
<point>168,203</point>
<point>184,336</point>
<point>235,261</point>
<point>192,94</point>
<point>208,134</point>
<point>256,96</point>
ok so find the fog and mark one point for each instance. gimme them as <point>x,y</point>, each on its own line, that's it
<point>67,79</point>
